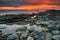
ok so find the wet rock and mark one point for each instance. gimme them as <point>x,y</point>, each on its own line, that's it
<point>55,32</point>
<point>40,36</point>
<point>48,35</point>
<point>56,37</point>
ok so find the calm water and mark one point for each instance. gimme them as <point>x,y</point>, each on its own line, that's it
<point>18,12</point>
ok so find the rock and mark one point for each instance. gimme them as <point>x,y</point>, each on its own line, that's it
<point>48,36</point>
<point>40,36</point>
<point>56,37</point>
<point>55,32</point>
<point>30,38</point>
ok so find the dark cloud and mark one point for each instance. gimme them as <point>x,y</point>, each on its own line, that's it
<point>52,2</point>
<point>12,2</point>
<point>35,1</point>
<point>49,2</point>
<point>25,2</point>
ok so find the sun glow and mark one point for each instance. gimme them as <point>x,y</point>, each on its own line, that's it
<point>29,7</point>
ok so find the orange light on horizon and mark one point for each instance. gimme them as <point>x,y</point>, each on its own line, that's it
<point>29,7</point>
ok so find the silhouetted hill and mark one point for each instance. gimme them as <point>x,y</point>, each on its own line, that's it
<point>53,12</point>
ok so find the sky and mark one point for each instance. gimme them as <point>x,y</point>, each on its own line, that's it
<point>29,4</point>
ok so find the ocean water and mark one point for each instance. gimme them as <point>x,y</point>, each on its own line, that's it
<point>18,12</point>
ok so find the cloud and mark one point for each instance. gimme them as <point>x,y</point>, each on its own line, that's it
<point>12,2</point>
<point>49,2</point>
<point>52,2</point>
<point>27,2</point>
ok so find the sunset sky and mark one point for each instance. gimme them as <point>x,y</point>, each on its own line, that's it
<point>29,4</point>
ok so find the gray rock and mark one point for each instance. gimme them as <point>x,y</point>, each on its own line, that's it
<point>56,37</point>
<point>55,32</point>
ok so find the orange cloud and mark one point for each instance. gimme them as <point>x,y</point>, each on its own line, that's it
<point>34,4</point>
<point>30,7</point>
<point>49,2</point>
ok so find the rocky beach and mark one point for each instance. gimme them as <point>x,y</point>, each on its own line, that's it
<point>41,26</point>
